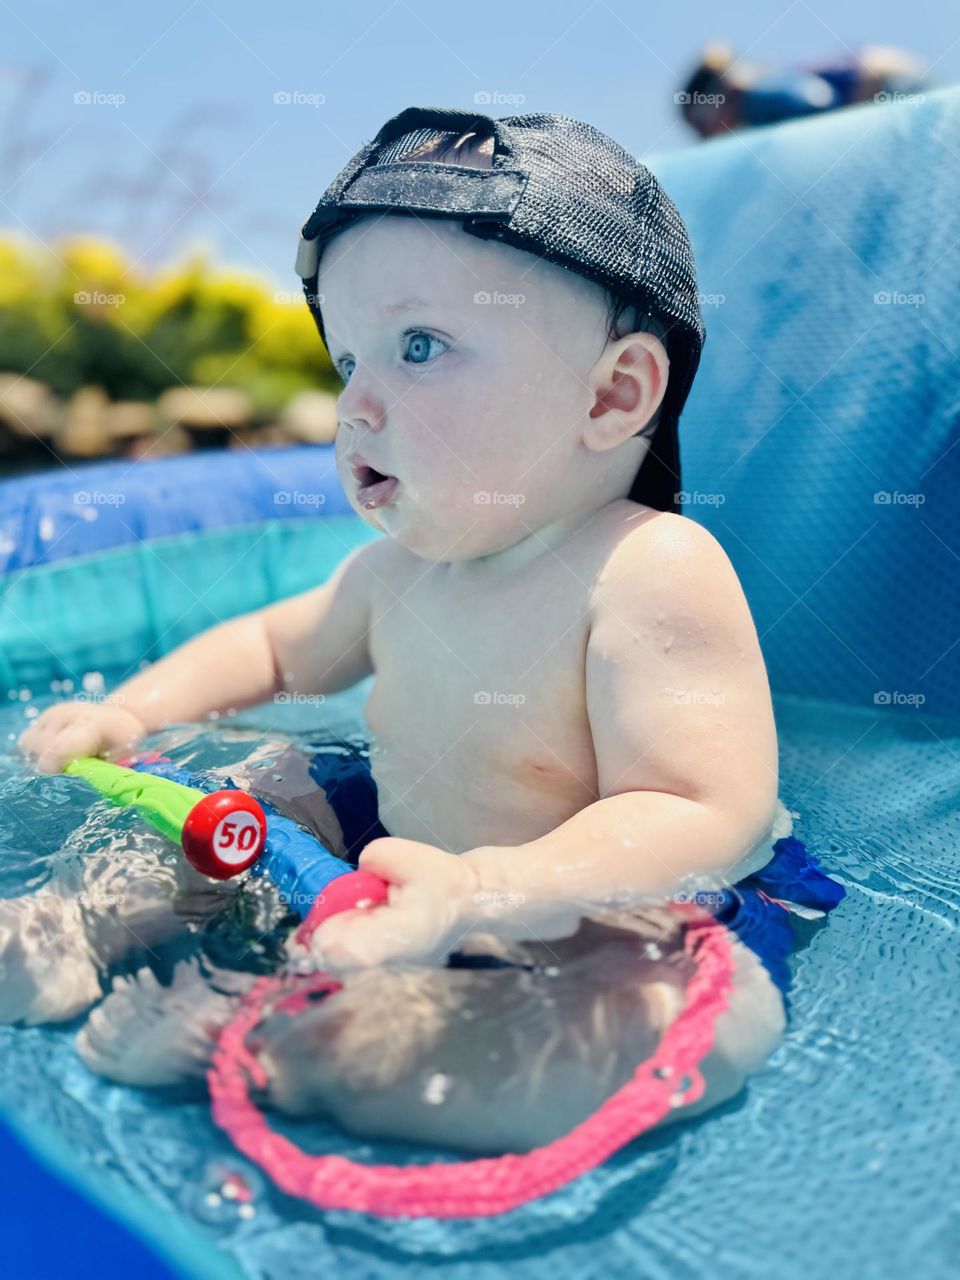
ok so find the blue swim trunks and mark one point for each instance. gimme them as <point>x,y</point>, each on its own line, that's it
<point>771,911</point>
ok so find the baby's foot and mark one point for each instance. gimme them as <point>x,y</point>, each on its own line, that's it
<point>149,1035</point>
<point>47,971</point>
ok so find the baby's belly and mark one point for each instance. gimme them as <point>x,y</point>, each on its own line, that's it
<point>461,796</point>
<point>476,797</point>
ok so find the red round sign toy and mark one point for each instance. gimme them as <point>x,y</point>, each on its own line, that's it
<point>224,833</point>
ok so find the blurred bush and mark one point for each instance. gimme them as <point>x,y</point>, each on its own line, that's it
<point>81,315</point>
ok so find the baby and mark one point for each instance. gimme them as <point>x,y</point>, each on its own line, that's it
<point>570,718</point>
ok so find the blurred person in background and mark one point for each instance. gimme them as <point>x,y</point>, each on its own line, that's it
<point>725,93</point>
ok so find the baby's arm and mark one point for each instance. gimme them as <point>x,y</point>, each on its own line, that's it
<point>683,730</point>
<point>314,642</point>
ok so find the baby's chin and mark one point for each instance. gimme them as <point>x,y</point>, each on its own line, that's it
<point>444,534</point>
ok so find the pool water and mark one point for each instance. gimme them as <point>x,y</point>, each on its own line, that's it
<point>836,1159</point>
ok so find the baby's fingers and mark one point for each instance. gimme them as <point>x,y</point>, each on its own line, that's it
<point>38,734</point>
<point>346,941</point>
<point>79,739</point>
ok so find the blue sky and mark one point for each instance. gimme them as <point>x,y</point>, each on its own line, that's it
<point>183,143</point>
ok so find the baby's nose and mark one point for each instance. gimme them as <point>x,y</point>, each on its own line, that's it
<point>359,405</point>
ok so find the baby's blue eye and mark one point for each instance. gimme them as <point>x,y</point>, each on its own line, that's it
<point>418,346</point>
<point>417,350</point>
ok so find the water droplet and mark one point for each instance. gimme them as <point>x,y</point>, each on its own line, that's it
<point>437,1088</point>
<point>225,1193</point>
<point>679,1095</point>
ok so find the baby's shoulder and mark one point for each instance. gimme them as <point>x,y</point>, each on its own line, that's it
<point>644,540</point>
<point>663,560</point>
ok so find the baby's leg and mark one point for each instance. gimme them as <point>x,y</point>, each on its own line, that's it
<point>483,1060</point>
<point>47,970</point>
<point>280,774</point>
<point>134,890</point>
<point>140,891</point>
<point>747,1032</point>
<point>498,1060</point>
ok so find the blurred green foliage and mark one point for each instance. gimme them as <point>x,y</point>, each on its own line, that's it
<point>81,314</point>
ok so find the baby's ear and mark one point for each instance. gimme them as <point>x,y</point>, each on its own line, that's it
<point>629,381</point>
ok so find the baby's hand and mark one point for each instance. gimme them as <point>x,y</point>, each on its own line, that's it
<point>71,729</point>
<point>428,912</point>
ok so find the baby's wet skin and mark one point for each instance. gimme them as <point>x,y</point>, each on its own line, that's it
<point>478,714</point>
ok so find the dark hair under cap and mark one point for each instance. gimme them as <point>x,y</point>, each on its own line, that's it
<point>557,188</point>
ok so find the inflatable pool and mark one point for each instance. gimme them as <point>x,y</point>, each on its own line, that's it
<point>820,447</point>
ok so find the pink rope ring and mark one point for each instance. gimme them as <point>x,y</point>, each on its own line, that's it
<point>489,1185</point>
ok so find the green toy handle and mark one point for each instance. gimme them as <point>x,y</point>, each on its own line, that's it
<point>221,832</point>
<point>164,804</point>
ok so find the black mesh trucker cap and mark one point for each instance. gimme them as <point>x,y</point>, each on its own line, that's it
<point>557,188</point>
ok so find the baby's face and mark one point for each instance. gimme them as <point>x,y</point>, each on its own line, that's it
<point>466,365</point>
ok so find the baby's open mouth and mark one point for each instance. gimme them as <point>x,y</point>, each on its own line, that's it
<point>374,488</point>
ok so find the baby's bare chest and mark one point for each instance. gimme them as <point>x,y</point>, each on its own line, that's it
<point>478,709</point>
